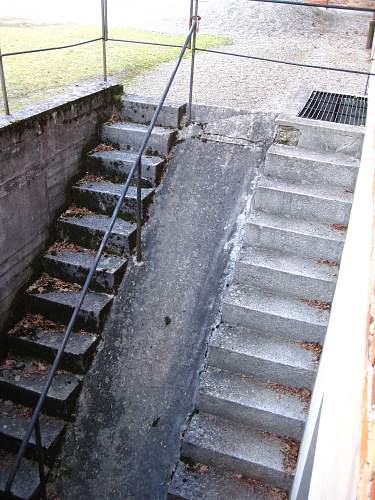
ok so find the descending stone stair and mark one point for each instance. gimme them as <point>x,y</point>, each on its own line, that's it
<point>243,437</point>
<point>49,302</point>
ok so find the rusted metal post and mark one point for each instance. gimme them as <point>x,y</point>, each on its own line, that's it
<point>3,86</point>
<point>191,18</point>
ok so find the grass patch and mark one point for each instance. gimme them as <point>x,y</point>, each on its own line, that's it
<point>32,77</point>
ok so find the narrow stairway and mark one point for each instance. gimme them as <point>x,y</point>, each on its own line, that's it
<point>48,303</point>
<point>243,438</point>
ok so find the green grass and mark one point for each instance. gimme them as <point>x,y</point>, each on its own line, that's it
<point>31,77</point>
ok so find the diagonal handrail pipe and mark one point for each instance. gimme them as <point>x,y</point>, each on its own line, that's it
<point>84,290</point>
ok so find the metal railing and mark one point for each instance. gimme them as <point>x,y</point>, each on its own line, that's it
<point>34,425</point>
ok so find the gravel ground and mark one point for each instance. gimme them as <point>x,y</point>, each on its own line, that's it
<point>299,34</point>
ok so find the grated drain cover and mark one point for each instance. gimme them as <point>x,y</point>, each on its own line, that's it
<point>337,108</point>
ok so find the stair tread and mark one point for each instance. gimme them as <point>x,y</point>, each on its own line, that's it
<point>153,101</point>
<point>308,154</point>
<point>109,263</point>
<point>127,157</point>
<point>138,127</point>
<point>331,193</point>
<point>31,375</point>
<point>201,482</point>
<point>243,341</point>
<point>78,344</point>
<point>113,189</point>
<point>100,223</point>
<point>227,437</point>
<point>26,482</point>
<point>93,302</point>
<point>249,392</point>
<point>14,420</point>
<point>288,263</point>
<point>309,228</point>
<point>275,305</point>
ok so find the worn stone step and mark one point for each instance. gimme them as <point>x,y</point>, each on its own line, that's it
<point>59,306</point>
<point>229,445</point>
<point>74,266</point>
<point>141,109</point>
<point>26,485</point>
<point>102,197</point>
<point>44,343</point>
<point>89,230</point>
<point>321,203</point>
<point>287,273</point>
<point>129,136</point>
<point>22,381</point>
<point>249,401</point>
<point>14,420</point>
<point>297,165</point>
<point>202,482</point>
<point>301,237</point>
<point>269,358</point>
<point>117,164</point>
<point>265,312</point>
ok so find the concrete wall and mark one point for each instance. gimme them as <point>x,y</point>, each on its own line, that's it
<point>334,454</point>
<point>41,150</point>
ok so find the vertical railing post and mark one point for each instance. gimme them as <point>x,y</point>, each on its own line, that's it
<point>139,211</point>
<point>3,86</point>
<point>193,44</point>
<point>40,455</point>
<point>104,37</point>
<point>191,19</point>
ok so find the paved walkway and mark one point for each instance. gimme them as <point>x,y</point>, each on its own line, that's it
<point>301,34</point>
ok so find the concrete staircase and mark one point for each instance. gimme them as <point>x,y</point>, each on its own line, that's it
<point>243,437</point>
<point>49,301</point>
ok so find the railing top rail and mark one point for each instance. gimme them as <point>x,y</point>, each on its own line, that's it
<point>316,4</point>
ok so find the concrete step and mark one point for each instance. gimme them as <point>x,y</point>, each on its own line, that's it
<point>59,306</point>
<point>14,420</point>
<point>265,312</point>
<point>89,230</point>
<point>321,203</point>
<point>129,136</point>
<point>236,447</point>
<point>74,266</point>
<point>140,109</point>
<point>301,237</point>
<point>286,273</point>
<point>303,166</point>
<point>269,358</point>
<point>44,343</point>
<point>22,381</point>
<point>317,135</point>
<point>26,485</point>
<point>117,164</point>
<point>102,197</point>
<point>202,482</point>
<point>249,401</point>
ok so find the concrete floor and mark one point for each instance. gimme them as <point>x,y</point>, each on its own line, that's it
<point>138,395</point>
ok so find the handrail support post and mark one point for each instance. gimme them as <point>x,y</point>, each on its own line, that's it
<point>192,65</point>
<point>104,37</point>
<point>3,86</point>
<point>139,210</point>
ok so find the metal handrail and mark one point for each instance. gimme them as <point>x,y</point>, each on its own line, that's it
<point>34,422</point>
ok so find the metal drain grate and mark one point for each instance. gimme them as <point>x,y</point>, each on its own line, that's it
<point>337,108</point>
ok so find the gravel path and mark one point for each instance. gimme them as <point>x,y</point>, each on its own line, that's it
<point>300,34</point>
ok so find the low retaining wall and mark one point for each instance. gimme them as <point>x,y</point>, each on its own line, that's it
<point>41,150</point>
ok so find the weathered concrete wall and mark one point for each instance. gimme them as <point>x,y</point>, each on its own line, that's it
<point>41,150</point>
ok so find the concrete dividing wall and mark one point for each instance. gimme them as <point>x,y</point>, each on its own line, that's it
<point>41,150</point>
<point>334,454</point>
